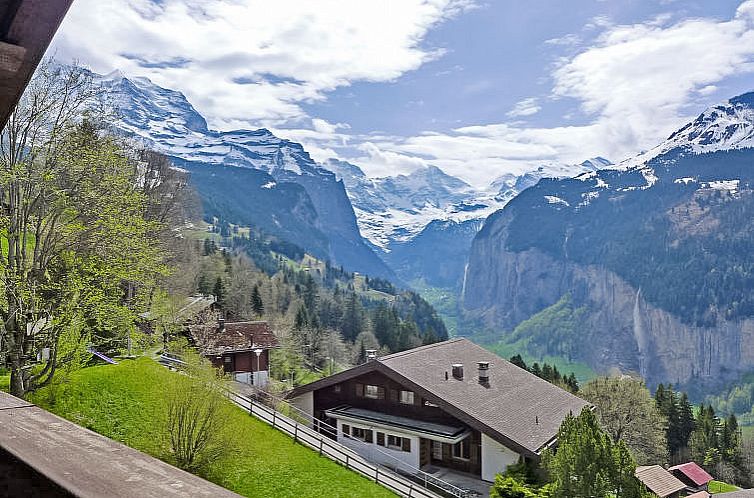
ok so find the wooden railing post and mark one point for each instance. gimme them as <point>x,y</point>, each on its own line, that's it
<point>295,433</point>
<point>321,442</point>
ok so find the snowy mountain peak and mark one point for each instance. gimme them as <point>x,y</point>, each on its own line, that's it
<point>165,120</point>
<point>725,126</point>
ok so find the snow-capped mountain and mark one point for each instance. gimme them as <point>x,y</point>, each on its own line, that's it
<point>394,210</point>
<point>423,222</point>
<point>325,222</point>
<point>653,257</point>
<point>725,126</point>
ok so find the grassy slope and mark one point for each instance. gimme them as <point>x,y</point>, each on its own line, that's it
<point>124,402</point>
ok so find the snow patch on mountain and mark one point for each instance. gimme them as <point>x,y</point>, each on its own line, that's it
<point>725,126</point>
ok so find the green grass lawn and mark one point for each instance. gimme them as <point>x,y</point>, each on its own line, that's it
<point>124,402</point>
<point>720,487</point>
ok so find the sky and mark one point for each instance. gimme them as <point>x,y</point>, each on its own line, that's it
<point>478,88</point>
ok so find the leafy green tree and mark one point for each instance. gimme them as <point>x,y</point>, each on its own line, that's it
<point>628,413</point>
<point>80,252</point>
<point>588,464</point>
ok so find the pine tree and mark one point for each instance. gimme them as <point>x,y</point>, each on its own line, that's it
<point>519,362</point>
<point>203,285</point>
<point>219,291</point>
<point>588,463</point>
<point>257,306</point>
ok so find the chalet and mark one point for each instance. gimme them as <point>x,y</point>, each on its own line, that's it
<point>692,475</point>
<point>239,348</point>
<point>452,405</point>
<point>660,482</point>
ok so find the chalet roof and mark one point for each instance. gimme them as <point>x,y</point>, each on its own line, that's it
<point>699,494</point>
<point>693,472</point>
<point>741,493</point>
<point>233,337</point>
<point>658,480</point>
<point>516,407</point>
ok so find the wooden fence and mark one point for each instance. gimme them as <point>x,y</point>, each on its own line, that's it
<point>302,433</point>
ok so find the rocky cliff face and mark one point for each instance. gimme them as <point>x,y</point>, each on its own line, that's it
<point>657,254</point>
<point>621,329</point>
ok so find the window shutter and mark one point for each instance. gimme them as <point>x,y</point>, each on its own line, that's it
<point>368,436</point>
<point>406,444</point>
<point>360,390</point>
<point>346,429</point>
<point>380,393</point>
<point>381,438</point>
<point>394,395</point>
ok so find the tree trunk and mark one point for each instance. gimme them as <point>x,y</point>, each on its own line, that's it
<point>17,384</point>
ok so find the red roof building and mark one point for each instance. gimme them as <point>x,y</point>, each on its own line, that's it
<point>692,475</point>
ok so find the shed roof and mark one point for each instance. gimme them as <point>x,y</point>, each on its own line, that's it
<point>693,472</point>
<point>516,407</point>
<point>658,480</point>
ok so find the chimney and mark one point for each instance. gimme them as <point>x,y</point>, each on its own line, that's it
<point>221,323</point>
<point>484,372</point>
<point>371,354</point>
<point>458,371</point>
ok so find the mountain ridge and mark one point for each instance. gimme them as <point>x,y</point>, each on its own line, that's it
<point>654,250</point>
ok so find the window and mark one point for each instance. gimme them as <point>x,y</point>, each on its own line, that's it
<point>399,443</point>
<point>381,439</point>
<point>407,397</point>
<point>462,449</point>
<point>374,392</point>
<point>427,403</point>
<point>363,434</point>
<point>346,429</point>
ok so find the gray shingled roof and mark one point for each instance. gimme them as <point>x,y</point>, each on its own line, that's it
<point>658,480</point>
<point>516,407</point>
<point>741,493</point>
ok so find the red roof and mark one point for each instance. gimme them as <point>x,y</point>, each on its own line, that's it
<point>695,473</point>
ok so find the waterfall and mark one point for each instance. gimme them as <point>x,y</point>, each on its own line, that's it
<point>463,285</point>
<point>640,335</point>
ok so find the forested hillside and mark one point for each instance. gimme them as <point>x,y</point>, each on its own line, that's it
<point>326,316</point>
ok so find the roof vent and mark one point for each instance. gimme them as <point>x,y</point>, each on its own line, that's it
<point>484,372</point>
<point>458,371</point>
<point>371,354</point>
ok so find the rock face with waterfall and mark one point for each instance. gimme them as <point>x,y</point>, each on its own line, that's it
<point>653,255</point>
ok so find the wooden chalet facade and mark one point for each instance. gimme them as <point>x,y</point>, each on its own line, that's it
<point>450,405</point>
<point>239,348</point>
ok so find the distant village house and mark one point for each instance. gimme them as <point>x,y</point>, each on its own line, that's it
<point>241,349</point>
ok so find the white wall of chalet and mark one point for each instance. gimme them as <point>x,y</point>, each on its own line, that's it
<point>409,461</point>
<point>495,458</point>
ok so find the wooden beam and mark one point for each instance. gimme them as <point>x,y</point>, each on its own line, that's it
<point>31,24</point>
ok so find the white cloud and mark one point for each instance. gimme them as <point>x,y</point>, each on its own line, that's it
<point>525,107</point>
<point>247,61</point>
<point>634,86</point>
